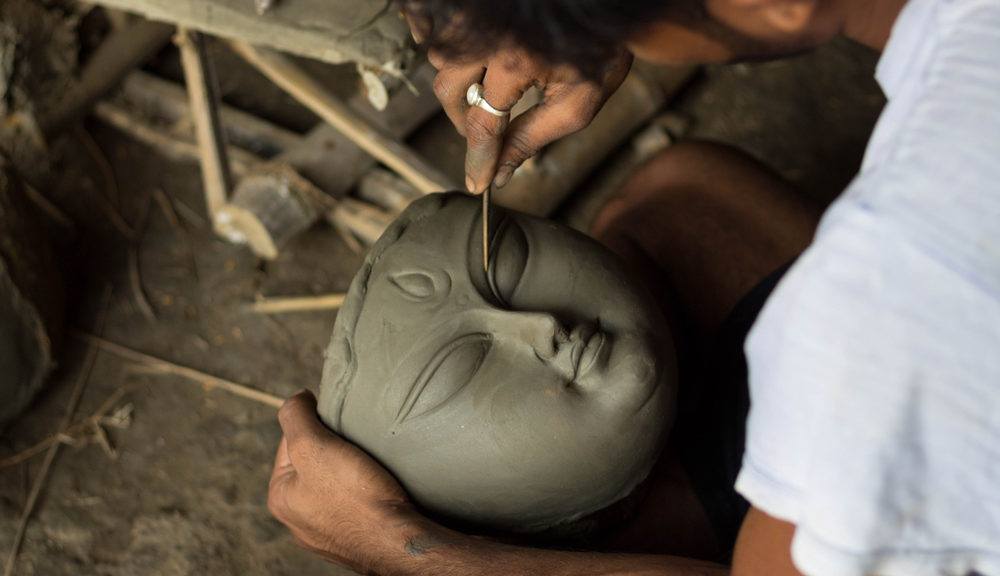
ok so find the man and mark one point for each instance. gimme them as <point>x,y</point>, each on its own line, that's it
<point>873,441</point>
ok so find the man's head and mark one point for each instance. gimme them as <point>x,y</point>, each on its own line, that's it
<point>586,33</point>
<point>516,400</point>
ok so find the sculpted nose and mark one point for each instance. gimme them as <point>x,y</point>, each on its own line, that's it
<point>540,331</point>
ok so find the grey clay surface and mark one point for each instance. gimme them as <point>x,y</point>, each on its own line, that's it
<point>518,401</point>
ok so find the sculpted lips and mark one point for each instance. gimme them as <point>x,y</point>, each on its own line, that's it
<point>448,372</point>
<point>591,352</point>
<point>587,342</point>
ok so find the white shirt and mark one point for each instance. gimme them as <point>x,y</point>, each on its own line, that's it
<point>875,366</point>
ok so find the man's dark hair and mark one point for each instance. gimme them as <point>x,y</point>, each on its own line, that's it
<point>586,34</point>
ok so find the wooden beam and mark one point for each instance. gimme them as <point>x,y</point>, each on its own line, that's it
<point>122,51</point>
<point>199,74</point>
<point>283,72</point>
<point>334,163</point>
<point>172,144</point>
<point>274,202</point>
<point>371,32</point>
<point>168,102</point>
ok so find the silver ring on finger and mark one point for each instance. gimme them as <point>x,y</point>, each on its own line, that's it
<point>474,96</point>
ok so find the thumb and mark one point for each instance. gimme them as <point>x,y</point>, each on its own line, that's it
<point>297,415</point>
<point>305,435</point>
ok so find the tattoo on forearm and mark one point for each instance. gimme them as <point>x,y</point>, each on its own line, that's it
<point>419,545</point>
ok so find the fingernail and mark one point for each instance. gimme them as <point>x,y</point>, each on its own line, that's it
<point>470,184</point>
<point>503,176</point>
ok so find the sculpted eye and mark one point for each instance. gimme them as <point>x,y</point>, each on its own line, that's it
<point>445,375</point>
<point>508,259</point>
<point>418,286</point>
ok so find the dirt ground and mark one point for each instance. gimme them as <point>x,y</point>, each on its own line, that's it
<point>186,492</point>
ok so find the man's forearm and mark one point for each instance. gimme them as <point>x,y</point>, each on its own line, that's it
<point>418,547</point>
<point>341,505</point>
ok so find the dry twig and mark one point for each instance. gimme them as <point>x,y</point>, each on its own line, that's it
<point>43,473</point>
<point>188,213</point>
<point>50,209</point>
<point>102,440</point>
<point>116,218</point>
<point>345,234</point>
<point>108,201</point>
<point>135,281</point>
<point>119,419</point>
<point>303,304</point>
<point>170,213</point>
<point>164,367</point>
<point>168,209</point>
<point>134,273</point>
<point>103,164</point>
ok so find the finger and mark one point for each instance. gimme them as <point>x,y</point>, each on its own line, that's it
<point>450,86</point>
<point>311,445</point>
<point>562,112</point>
<point>304,433</point>
<point>503,86</point>
<point>421,26</point>
<point>298,408</point>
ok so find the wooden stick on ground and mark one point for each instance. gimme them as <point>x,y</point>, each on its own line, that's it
<point>67,436</point>
<point>283,72</point>
<point>170,213</point>
<point>365,221</point>
<point>43,473</point>
<point>167,208</point>
<point>109,200</point>
<point>135,283</point>
<point>165,367</point>
<point>112,194</point>
<point>302,304</point>
<point>49,209</point>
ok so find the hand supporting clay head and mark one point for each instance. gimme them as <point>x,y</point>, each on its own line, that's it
<point>516,400</point>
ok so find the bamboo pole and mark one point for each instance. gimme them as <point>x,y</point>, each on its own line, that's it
<point>298,304</point>
<point>199,74</point>
<point>400,158</point>
<point>116,56</point>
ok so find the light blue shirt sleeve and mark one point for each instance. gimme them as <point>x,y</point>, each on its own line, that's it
<point>875,366</point>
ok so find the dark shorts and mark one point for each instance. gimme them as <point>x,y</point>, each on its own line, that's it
<point>710,440</point>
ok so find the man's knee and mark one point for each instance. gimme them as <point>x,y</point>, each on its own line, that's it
<point>671,182</point>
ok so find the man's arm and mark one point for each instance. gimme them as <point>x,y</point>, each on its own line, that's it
<point>764,547</point>
<point>341,505</point>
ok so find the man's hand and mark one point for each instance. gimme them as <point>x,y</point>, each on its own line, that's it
<point>341,505</point>
<point>337,501</point>
<point>496,146</point>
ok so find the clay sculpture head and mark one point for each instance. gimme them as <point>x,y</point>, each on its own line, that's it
<point>515,401</point>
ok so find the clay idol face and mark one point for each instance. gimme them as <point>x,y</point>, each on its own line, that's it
<point>519,399</point>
